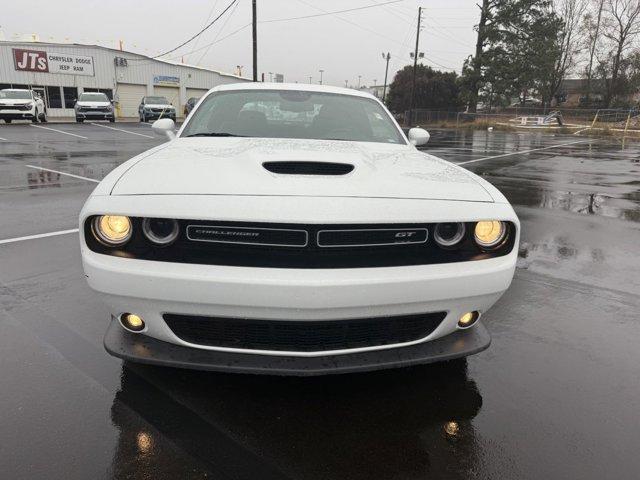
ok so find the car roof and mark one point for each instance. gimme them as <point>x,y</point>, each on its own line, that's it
<point>303,87</point>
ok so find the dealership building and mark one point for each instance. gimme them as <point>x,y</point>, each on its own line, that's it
<point>61,72</point>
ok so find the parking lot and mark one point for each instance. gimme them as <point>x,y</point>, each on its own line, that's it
<point>556,395</point>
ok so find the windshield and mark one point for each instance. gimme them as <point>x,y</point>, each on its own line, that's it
<point>292,114</point>
<point>156,100</point>
<point>16,94</point>
<point>93,97</point>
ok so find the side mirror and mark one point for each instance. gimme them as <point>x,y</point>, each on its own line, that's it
<point>164,127</point>
<point>418,136</point>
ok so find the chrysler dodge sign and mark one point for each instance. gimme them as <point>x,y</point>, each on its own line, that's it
<point>49,62</point>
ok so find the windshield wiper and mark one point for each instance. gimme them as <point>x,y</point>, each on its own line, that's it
<point>215,134</point>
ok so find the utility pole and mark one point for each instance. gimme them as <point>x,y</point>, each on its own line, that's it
<point>321,72</point>
<point>386,72</point>
<point>255,42</point>
<point>415,67</point>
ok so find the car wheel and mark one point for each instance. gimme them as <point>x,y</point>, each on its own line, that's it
<point>79,120</point>
<point>43,117</point>
<point>7,120</point>
<point>112,120</point>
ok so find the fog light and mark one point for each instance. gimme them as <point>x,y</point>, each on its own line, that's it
<point>132,322</point>
<point>468,319</point>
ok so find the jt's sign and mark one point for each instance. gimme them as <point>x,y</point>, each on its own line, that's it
<point>30,60</point>
<point>47,62</point>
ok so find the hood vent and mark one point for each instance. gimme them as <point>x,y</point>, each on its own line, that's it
<point>308,168</point>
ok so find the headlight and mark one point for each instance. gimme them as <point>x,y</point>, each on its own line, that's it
<point>112,230</point>
<point>161,231</point>
<point>490,233</point>
<point>449,234</point>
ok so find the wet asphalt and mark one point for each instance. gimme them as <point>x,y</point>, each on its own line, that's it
<point>557,394</point>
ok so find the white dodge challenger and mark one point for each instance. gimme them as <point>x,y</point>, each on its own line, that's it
<point>295,230</point>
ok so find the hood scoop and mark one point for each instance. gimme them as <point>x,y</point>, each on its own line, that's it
<point>308,168</point>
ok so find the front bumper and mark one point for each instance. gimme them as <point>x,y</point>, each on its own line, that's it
<point>17,114</point>
<point>95,115</point>
<point>144,349</point>
<point>156,115</point>
<point>151,289</point>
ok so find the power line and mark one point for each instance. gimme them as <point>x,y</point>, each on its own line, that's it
<point>330,13</point>
<point>213,7</point>
<point>209,45</point>
<point>374,32</point>
<point>200,32</point>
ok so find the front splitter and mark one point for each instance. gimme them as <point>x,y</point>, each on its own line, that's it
<point>143,349</point>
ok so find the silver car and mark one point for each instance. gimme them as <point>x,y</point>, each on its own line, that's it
<point>94,106</point>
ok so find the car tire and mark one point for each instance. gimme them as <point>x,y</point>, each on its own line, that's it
<point>7,120</point>
<point>43,117</point>
<point>112,120</point>
<point>79,120</point>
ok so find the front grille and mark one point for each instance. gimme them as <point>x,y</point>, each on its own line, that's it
<point>308,168</point>
<point>305,246</point>
<point>15,107</point>
<point>94,109</point>
<point>302,336</point>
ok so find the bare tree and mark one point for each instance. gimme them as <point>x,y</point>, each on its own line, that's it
<point>567,45</point>
<point>620,27</point>
<point>591,26</point>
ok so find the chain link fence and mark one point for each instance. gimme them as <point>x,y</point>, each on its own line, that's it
<point>532,117</point>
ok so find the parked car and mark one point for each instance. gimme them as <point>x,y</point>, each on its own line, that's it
<point>94,106</point>
<point>295,230</point>
<point>189,105</point>
<point>21,104</point>
<point>152,108</point>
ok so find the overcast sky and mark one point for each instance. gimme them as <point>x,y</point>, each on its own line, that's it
<point>344,45</point>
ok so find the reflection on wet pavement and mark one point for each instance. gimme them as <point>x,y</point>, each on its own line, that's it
<point>598,178</point>
<point>383,425</point>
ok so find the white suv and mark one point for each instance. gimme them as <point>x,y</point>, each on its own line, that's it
<point>20,104</point>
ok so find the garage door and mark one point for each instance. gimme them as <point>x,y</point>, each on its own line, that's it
<point>129,96</point>
<point>172,94</point>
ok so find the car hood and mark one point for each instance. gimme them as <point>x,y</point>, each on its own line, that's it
<point>15,101</point>
<point>233,166</point>
<point>93,104</point>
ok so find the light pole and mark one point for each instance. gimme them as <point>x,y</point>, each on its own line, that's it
<point>386,57</point>
<point>415,68</point>
<point>359,77</point>
<point>255,40</point>
<point>321,72</point>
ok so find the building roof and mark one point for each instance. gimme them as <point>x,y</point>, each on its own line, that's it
<point>120,53</point>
